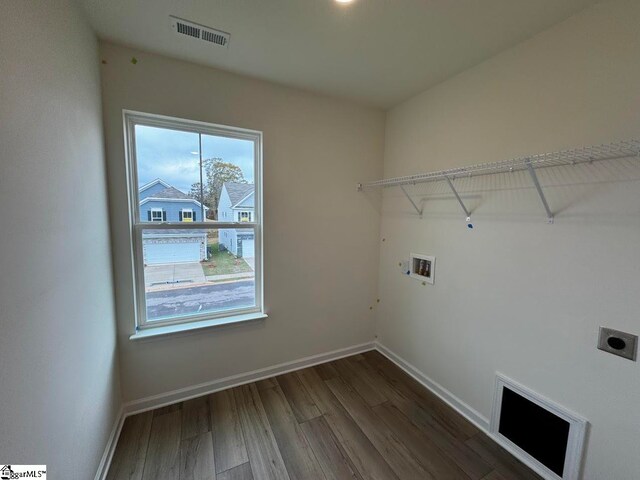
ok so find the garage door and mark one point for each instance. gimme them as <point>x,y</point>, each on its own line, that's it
<point>247,248</point>
<point>171,253</point>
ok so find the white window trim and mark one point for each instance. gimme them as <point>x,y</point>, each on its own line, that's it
<point>148,333</point>
<point>156,210</point>
<point>131,119</point>
<point>189,211</point>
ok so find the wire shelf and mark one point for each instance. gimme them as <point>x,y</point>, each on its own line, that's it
<point>609,151</point>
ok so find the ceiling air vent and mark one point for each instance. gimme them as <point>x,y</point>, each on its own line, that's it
<point>199,32</point>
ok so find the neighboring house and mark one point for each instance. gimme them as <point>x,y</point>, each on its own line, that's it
<point>237,204</point>
<point>160,202</point>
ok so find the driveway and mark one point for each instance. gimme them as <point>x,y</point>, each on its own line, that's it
<point>251,261</point>
<point>200,299</point>
<point>173,274</point>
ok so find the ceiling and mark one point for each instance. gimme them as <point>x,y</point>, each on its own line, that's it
<point>377,52</point>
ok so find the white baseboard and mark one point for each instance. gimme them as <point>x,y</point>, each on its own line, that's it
<point>161,400</point>
<point>187,393</point>
<point>461,407</point>
<point>445,395</point>
<point>105,461</point>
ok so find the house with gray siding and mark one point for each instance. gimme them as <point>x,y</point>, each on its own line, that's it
<point>237,204</point>
<point>161,202</point>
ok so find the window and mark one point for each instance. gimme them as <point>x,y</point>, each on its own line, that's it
<point>192,268</point>
<point>156,215</point>
<point>186,215</point>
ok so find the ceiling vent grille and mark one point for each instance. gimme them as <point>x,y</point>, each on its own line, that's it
<point>188,30</point>
<point>200,32</point>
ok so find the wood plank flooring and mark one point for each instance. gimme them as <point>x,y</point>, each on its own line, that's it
<point>356,418</point>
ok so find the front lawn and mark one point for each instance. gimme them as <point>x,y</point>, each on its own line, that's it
<point>222,263</point>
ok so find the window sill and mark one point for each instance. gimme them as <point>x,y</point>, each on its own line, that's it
<point>189,327</point>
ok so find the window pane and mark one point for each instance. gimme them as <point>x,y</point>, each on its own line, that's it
<point>228,173</point>
<point>168,169</point>
<point>186,178</point>
<point>197,272</point>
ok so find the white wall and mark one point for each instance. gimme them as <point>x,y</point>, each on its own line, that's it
<point>59,392</point>
<point>317,291</point>
<point>516,295</point>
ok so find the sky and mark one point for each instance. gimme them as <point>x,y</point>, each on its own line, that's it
<point>173,155</point>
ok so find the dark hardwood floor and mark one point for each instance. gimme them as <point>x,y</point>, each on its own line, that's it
<point>357,418</point>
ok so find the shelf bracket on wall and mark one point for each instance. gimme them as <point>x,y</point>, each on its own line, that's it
<point>419,210</point>
<point>534,177</point>
<point>464,207</point>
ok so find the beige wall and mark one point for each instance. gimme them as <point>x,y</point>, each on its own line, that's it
<point>320,235</point>
<point>59,387</point>
<point>516,295</point>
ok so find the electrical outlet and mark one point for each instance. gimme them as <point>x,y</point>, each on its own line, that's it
<point>618,343</point>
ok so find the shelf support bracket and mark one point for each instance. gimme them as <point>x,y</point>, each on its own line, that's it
<point>419,210</point>
<point>464,207</point>
<point>534,177</point>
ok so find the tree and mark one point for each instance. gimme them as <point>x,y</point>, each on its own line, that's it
<point>197,193</point>
<point>216,172</point>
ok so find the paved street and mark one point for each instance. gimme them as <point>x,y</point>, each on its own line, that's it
<point>200,299</point>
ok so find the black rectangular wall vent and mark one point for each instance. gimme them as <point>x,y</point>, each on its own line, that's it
<point>537,431</point>
<point>544,435</point>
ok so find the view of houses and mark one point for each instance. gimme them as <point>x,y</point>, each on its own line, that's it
<point>160,202</point>
<point>237,203</point>
<point>218,262</point>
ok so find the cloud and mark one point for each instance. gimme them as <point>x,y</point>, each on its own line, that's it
<point>167,154</point>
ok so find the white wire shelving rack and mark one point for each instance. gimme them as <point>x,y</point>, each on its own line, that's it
<point>596,153</point>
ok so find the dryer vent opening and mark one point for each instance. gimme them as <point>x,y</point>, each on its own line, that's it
<point>541,433</point>
<point>535,430</point>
